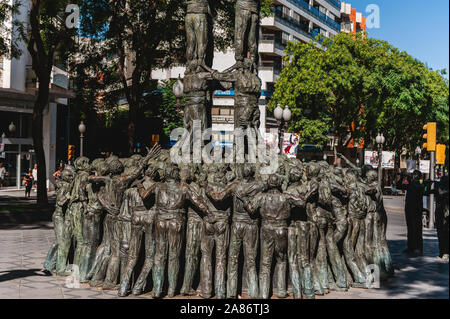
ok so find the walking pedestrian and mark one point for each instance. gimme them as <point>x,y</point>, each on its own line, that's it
<point>2,175</point>
<point>28,181</point>
<point>57,174</point>
<point>35,177</point>
<point>413,213</point>
<point>442,217</point>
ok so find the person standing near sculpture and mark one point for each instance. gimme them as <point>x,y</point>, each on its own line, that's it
<point>244,230</point>
<point>413,213</point>
<point>170,198</point>
<point>442,217</point>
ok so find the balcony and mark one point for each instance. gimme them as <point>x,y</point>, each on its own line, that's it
<point>269,74</point>
<point>271,47</point>
<point>302,4</point>
<point>335,3</point>
<point>295,25</point>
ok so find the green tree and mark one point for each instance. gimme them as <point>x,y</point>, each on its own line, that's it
<point>354,87</point>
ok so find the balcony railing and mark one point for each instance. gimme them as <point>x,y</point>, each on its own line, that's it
<point>302,4</point>
<point>335,3</point>
<point>293,24</point>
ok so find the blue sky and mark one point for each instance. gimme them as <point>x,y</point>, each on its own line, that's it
<point>420,27</point>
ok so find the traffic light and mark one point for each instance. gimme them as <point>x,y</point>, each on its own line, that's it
<point>430,145</point>
<point>71,152</point>
<point>440,154</point>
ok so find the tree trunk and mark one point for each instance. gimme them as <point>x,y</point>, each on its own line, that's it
<point>39,105</point>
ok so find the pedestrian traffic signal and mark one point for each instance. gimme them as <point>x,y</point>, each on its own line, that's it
<point>71,152</point>
<point>440,154</point>
<point>430,145</point>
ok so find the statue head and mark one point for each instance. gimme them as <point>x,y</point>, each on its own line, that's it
<point>371,176</point>
<point>248,170</point>
<point>115,167</point>
<point>82,164</point>
<point>274,182</point>
<point>172,173</point>
<point>312,170</point>
<point>295,174</point>
<point>351,178</point>
<point>68,173</point>
<point>185,175</point>
<point>98,166</point>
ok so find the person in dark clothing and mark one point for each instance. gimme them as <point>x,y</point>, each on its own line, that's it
<point>413,211</point>
<point>28,181</point>
<point>442,217</point>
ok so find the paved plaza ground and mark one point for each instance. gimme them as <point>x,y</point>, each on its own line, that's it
<point>25,239</point>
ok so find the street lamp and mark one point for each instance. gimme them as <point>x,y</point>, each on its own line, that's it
<point>178,90</point>
<point>82,130</point>
<point>282,117</point>
<point>380,141</point>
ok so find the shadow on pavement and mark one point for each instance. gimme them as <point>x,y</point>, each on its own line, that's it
<point>22,273</point>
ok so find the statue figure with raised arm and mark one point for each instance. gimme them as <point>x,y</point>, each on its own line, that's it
<point>115,186</point>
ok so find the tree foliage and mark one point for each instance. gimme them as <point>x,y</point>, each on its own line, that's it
<point>355,87</point>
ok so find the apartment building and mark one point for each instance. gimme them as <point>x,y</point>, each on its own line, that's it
<point>18,90</point>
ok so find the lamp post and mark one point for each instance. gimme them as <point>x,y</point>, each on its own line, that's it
<point>12,129</point>
<point>380,141</point>
<point>82,130</point>
<point>282,117</point>
<point>418,152</point>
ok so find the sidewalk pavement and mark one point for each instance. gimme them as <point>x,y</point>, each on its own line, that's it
<point>24,247</point>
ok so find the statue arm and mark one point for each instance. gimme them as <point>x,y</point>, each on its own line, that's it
<point>347,161</point>
<point>98,179</point>
<point>224,76</point>
<point>252,205</point>
<point>196,199</point>
<point>146,192</point>
<point>314,189</point>
<point>220,196</point>
<point>294,200</point>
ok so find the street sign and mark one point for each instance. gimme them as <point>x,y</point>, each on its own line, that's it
<point>425,167</point>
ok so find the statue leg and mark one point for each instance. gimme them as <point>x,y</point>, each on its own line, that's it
<point>190,37</point>
<point>141,282</point>
<point>64,246</point>
<point>313,249</point>
<point>336,261</point>
<point>58,224</point>
<point>133,255</point>
<point>193,240</point>
<point>369,244</point>
<point>98,271</point>
<point>222,236</point>
<point>293,261</point>
<point>253,38</point>
<point>201,35</point>
<point>233,257</point>
<point>206,267</point>
<point>176,235</point>
<point>281,261</point>
<point>251,237</point>
<point>243,18</point>
<point>88,225</point>
<point>303,244</point>
<point>359,252</point>
<point>349,253</point>
<point>112,272</point>
<point>162,245</point>
<point>78,232</point>
<point>322,263</point>
<point>267,249</point>
<point>125,238</point>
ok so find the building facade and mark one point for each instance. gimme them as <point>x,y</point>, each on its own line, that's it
<point>18,90</point>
